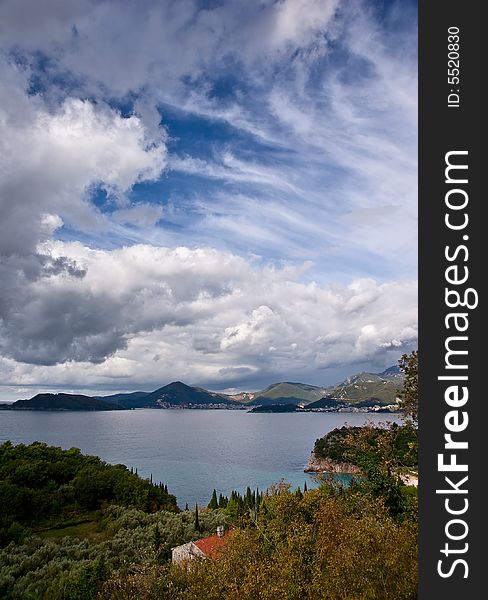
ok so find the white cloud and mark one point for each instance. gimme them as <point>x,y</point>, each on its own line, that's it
<point>52,158</point>
<point>329,177</point>
<point>148,314</point>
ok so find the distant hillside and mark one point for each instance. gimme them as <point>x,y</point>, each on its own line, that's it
<point>131,400</point>
<point>288,393</point>
<point>326,402</point>
<point>178,393</point>
<point>384,387</point>
<point>363,389</point>
<point>392,372</point>
<point>62,402</point>
<point>274,408</point>
<point>173,394</point>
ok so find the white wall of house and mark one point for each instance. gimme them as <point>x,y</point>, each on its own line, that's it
<point>185,553</point>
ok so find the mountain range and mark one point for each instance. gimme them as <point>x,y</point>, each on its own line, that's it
<point>362,389</point>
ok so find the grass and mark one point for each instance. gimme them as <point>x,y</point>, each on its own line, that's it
<point>87,528</point>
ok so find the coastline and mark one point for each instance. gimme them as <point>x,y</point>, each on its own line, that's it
<point>325,465</point>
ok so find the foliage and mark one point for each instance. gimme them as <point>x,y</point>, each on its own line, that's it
<point>214,503</point>
<point>342,444</point>
<point>409,364</point>
<point>335,543</point>
<point>328,543</point>
<point>383,454</point>
<point>41,483</point>
<point>71,568</point>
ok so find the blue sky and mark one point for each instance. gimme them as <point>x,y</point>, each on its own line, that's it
<point>218,192</point>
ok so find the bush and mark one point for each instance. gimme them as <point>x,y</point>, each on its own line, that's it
<point>330,543</point>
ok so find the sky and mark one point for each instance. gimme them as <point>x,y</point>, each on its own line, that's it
<point>218,192</point>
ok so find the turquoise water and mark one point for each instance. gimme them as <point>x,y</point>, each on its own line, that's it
<point>192,451</point>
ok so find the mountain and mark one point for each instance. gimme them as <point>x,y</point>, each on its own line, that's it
<point>368,388</point>
<point>62,402</point>
<point>364,390</point>
<point>131,400</point>
<point>288,393</point>
<point>384,387</point>
<point>394,371</point>
<point>178,394</point>
<point>326,402</point>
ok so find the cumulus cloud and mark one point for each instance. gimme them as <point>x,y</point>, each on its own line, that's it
<point>342,127</point>
<point>52,158</point>
<point>93,39</point>
<point>199,313</point>
<point>312,166</point>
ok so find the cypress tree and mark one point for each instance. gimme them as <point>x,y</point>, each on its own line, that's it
<point>248,498</point>
<point>197,520</point>
<point>213,504</point>
<point>305,488</point>
<point>157,538</point>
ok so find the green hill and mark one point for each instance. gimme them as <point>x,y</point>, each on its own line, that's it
<point>326,402</point>
<point>130,400</point>
<point>369,388</point>
<point>384,387</point>
<point>62,402</point>
<point>44,486</point>
<point>381,387</point>
<point>178,394</point>
<point>288,393</point>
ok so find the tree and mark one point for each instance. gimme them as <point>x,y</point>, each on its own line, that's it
<point>213,504</point>
<point>232,509</point>
<point>157,538</point>
<point>409,364</point>
<point>197,520</point>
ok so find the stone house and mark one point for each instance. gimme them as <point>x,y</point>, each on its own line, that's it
<point>208,547</point>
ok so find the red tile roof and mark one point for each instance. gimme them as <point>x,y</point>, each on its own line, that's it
<point>211,546</point>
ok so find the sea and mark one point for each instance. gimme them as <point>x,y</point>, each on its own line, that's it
<point>191,451</point>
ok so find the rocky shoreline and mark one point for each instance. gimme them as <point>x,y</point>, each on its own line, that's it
<point>325,465</point>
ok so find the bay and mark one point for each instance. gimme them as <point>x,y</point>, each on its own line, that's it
<point>192,451</point>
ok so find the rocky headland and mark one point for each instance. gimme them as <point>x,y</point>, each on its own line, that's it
<point>326,465</point>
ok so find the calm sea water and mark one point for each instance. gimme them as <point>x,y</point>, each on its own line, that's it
<point>192,451</point>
